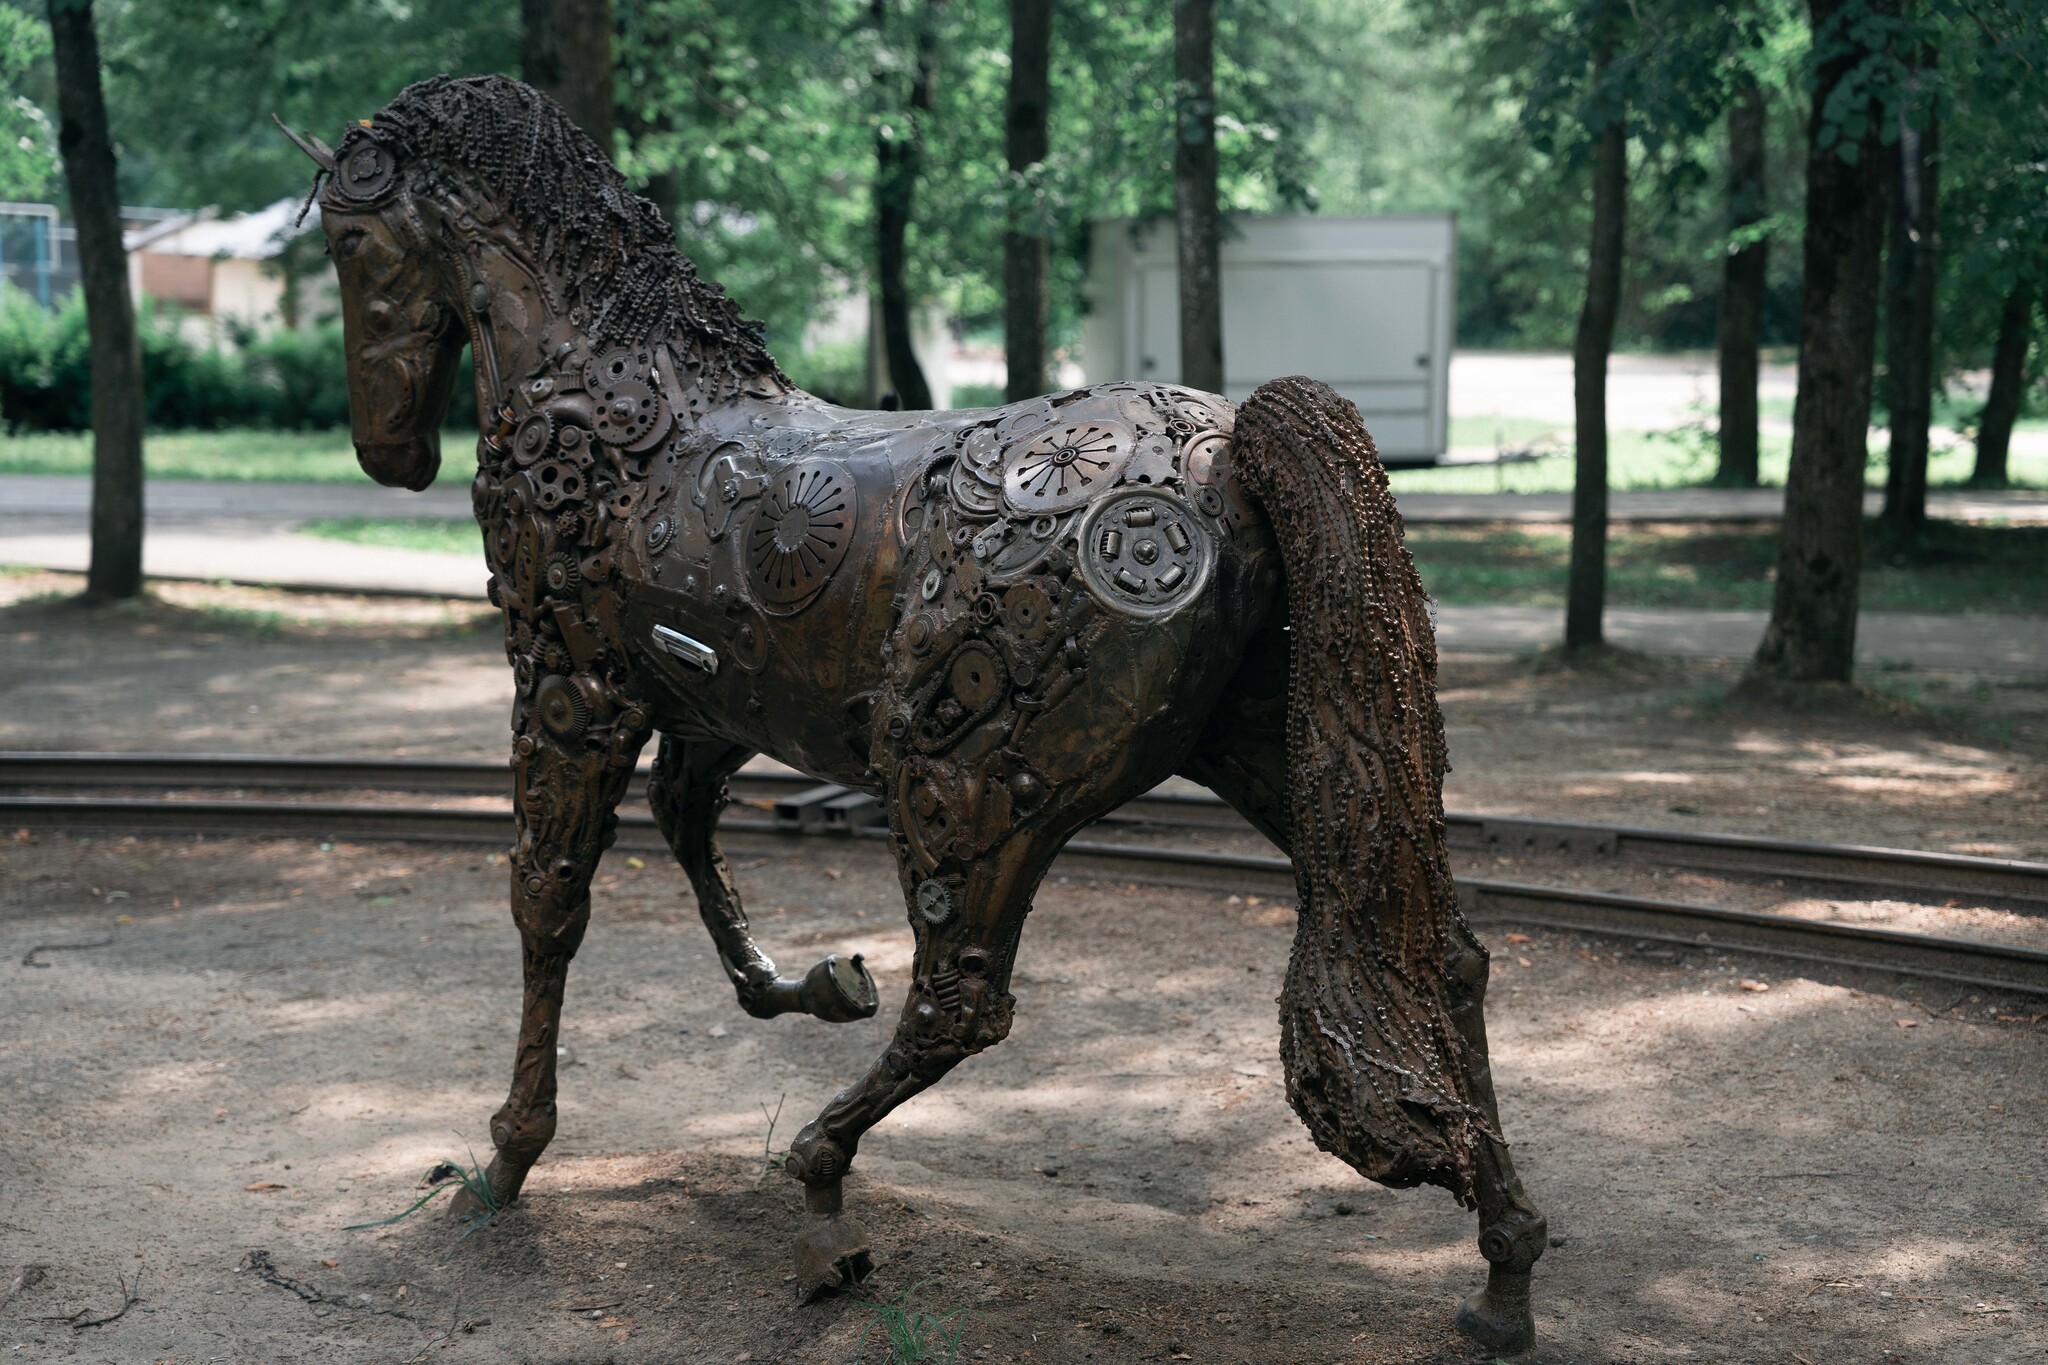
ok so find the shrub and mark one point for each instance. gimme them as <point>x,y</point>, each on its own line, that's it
<point>292,379</point>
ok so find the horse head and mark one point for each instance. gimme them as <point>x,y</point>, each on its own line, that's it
<point>400,309</point>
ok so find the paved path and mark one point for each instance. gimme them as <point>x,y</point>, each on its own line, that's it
<point>243,533</point>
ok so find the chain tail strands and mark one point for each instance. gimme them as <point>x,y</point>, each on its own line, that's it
<point>1375,1065</point>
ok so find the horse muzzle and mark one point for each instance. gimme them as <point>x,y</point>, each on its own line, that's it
<point>411,463</point>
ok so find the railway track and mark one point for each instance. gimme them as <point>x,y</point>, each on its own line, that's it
<point>56,791</point>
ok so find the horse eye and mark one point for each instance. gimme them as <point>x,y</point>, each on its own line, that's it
<point>348,243</point>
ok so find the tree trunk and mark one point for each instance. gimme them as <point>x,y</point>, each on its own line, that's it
<point>1024,246</point>
<point>1812,632</point>
<point>1586,590</point>
<point>116,349</point>
<point>565,48</point>
<point>1197,218</point>
<point>2008,386</point>
<point>1743,273</point>
<point>1909,328</point>
<point>899,156</point>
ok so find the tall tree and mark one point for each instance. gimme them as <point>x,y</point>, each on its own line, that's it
<point>1586,589</point>
<point>1744,270</point>
<point>1197,213</point>
<point>565,48</point>
<point>2008,387</point>
<point>899,159</point>
<point>1812,632</point>
<point>1026,111</point>
<point>116,350</point>
<point>1910,284</point>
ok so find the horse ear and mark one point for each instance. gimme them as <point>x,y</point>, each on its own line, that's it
<point>312,146</point>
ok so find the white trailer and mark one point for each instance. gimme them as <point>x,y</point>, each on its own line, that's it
<point>1363,304</point>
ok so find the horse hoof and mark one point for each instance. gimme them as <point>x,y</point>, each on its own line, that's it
<point>1507,1327</point>
<point>470,1206</point>
<point>839,990</point>
<point>831,1254</point>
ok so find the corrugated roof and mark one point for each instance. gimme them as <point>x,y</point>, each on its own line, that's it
<point>256,236</point>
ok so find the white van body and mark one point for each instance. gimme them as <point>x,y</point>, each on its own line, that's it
<point>1363,304</point>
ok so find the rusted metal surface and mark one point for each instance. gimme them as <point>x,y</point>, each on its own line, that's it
<point>1002,624</point>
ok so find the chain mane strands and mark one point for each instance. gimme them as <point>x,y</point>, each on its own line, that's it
<point>612,251</point>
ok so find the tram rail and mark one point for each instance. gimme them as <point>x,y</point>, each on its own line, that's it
<point>53,791</point>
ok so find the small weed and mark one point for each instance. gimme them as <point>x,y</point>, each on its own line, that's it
<point>913,1334</point>
<point>771,1160</point>
<point>441,1177</point>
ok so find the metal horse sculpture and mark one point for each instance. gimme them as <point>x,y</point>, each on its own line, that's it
<point>1004,623</point>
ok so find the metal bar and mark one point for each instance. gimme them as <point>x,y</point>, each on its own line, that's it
<point>1999,966</point>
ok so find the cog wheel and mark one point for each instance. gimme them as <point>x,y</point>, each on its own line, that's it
<point>563,709</point>
<point>556,483</point>
<point>616,364</point>
<point>561,574</point>
<point>534,438</point>
<point>627,411</point>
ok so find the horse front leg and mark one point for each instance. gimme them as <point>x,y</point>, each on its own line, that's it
<point>571,764</point>
<point>967,926</point>
<point>688,793</point>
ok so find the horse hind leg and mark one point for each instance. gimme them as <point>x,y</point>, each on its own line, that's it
<point>967,920</point>
<point>688,793</point>
<point>1242,757</point>
<point>1512,1232</point>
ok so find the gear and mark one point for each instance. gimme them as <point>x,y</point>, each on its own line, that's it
<point>974,495</point>
<point>615,364</point>
<point>534,439</point>
<point>555,483</point>
<point>627,412</point>
<point>562,706</point>
<point>1027,609</point>
<point>561,574</point>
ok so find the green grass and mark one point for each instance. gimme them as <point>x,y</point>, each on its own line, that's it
<point>911,1333</point>
<point>1982,570</point>
<point>1635,459</point>
<point>422,533</point>
<point>243,456</point>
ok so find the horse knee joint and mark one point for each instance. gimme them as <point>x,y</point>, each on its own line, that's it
<point>1515,1241</point>
<point>522,1136</point>
<point>816,1159</point>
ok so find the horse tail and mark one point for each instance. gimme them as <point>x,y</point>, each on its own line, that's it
<point>1369,1016</point>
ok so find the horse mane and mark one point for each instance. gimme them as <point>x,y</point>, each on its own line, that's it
<point>612,250</point>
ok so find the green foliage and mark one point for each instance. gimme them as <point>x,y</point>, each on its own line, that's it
<point>191,84</point>
<point>28,142</point>
<point>290,379</point>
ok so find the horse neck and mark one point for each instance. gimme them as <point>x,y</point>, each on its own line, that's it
<point>527,320</point>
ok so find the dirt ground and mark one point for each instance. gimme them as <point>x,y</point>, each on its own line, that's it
<point>267,1040</point>
<point>280,1038</point>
